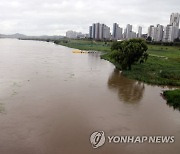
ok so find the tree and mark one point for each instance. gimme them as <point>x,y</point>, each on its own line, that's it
<point>129,52</point>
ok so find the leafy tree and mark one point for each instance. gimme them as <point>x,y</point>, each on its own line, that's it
<point>128,52</point>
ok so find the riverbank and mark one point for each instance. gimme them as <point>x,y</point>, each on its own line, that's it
<point>86,45</point>
<point>161,68</point>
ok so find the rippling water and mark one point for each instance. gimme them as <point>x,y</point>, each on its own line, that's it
<point>51,100</point>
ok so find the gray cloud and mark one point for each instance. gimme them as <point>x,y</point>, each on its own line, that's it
<point>57,16</point>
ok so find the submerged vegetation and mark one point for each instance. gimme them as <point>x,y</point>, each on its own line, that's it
<point>161,68</point>
<point>173,98</point>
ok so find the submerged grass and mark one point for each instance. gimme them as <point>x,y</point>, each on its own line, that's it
<point>173,98</point>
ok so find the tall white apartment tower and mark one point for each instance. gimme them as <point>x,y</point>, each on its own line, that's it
<point>139,32</point>
<point>97,31</point>
<point>128,32</point>
<point>150,31</point>
<point>117,32</point>
<point>91,32</point>
<point>174,19</point>
<point>170,33</point>
<point>106,32</point>
<point>157,33</point>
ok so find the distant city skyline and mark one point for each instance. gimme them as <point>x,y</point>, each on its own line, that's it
<point>55,17</point>
<point>167,33</point>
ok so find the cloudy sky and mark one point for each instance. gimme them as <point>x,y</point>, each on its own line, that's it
<point>55,17</point>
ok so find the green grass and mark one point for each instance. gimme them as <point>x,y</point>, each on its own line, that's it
<point>155,70</point>
<point>173,98</point>
<point>161,68</point>
<point>167,51</point>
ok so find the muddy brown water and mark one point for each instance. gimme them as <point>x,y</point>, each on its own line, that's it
<point>52,100</point>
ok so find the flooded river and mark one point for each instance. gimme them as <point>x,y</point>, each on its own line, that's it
<point>52,100</point>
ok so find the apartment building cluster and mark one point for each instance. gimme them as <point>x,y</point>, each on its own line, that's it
<point>102,32</point>
<point>99,32</point>
<point>159,33</point>
<point>168,33</point>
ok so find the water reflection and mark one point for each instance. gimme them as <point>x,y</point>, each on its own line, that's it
<point>129,91</point>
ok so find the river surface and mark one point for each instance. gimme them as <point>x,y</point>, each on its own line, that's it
<point>52,100</point>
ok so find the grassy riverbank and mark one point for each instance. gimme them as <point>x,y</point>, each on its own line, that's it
<point>161,68</point>
<point>173,98</point>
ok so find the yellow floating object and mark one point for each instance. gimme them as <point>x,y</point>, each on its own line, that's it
<point>79,51</point>
<point>76,51</point>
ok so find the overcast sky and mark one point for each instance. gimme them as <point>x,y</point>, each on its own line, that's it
<point>55,17</point>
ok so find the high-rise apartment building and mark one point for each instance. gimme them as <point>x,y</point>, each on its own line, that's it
<point>117,32</point>
<point>150,31</point>
<point>174,19</point>
<point>91,32</point>
<point>157,33</point>
<point>139,32</point>
<point>153,33</point>
<point>128,31</point>
<point>105,32</point>
<point>97,31</point>
<point>170,33</point>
